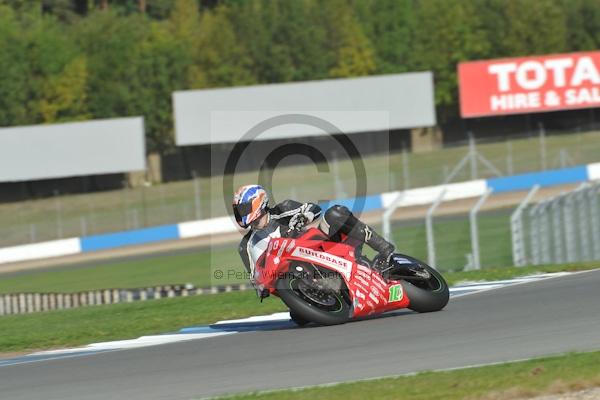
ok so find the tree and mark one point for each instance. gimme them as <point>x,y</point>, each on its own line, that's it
<point>163,67</point>
<point>450,31</point>
<point>219,59</point>
<point>352,52</point>
<point>389,26</point>
<point>112,47</point>
<point>15,70</point>
<point>583,24</point>
<point>534,27</point>
<point>63,97</point>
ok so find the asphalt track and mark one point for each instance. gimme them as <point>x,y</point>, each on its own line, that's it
<point>511,323</point>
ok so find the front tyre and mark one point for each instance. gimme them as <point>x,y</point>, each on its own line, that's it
<point>426,295</point>
<point>309,302</point>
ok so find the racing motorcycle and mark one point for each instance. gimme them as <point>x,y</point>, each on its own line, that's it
<point>325,282</point>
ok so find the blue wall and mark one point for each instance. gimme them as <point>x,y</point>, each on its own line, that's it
<point>544,178</point>
<point>128,238</point>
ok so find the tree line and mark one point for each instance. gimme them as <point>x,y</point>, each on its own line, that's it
<point>69,60</point>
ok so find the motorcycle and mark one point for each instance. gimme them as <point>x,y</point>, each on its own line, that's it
<point>325,282</point>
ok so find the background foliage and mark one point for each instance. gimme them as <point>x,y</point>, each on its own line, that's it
<point>66,60</point>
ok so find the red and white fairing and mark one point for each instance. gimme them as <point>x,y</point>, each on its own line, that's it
<point>369,292</point>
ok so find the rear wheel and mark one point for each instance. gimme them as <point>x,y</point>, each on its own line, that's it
<point>310,299</point>
<point>426,295</point>
<point>298,320</point>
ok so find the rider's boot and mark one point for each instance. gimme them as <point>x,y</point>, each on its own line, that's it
<point>339,219</point>
<point>367,235</point>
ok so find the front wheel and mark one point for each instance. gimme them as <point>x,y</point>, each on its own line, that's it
<point>309,301</point>
<point>426,295</point>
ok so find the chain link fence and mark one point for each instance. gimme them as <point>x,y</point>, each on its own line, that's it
<point>561,229</point>
<point>132,208</point>
<point>453,241</point>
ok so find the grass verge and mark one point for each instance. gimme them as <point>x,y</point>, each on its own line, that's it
<point>505,381</point>
<point>494,274</point>
<point>86,325</point>
<point>452,242</point>
<point>123,321</point>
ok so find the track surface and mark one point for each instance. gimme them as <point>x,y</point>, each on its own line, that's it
<point>528,320</point>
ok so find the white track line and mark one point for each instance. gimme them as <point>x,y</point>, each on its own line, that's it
<point>154,340</point>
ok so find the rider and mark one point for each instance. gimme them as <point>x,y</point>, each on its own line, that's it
<point>251,210</point>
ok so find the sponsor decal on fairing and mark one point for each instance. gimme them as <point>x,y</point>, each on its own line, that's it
<point>364,269</point>
<point>359,294</point>
<point>363,275</point>
<point>374,298</point>
<point>396,293</point>
<point>338,264</point>
<point>362,281</point>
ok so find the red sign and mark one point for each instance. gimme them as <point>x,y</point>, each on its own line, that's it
<point>529,84</point>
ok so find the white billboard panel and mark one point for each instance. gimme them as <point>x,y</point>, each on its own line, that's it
<point>72,149</point>
<point>408,98</point>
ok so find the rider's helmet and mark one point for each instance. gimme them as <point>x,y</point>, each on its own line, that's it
<point>249,204</point>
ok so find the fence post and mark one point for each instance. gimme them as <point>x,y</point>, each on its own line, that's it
<point>429,229</point>
<point>32,234</point>
<point>196,182</point>
<point>534,232</point>
<point>405,167</point>
<point>545,234</point>
<point>595,218</point>
<point>516,226</point>
<point>557,229</point>
<point>387,216</point>
<point>542,146</point>
<point>58,206</point>
<point>569,228</point>
<point>340,193</point>
<point>509,158</point>
<point>473,156</point>
<point>475,230</point>
<point>584,226</point>
<point>83,224</point>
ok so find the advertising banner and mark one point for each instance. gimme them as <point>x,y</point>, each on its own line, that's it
<point>529,84</point>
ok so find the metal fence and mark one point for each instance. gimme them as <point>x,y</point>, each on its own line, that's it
<point>454,236</point>
<point>132,208</point>
<point>473,234</point>
<point>561,229</point>
<point>24,303</point>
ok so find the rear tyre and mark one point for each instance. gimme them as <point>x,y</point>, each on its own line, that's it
<point>426,295</point>
<point>307,303</point>
<point>298,320</point>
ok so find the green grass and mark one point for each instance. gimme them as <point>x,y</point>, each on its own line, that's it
<point>494,274</point>
<point>86,325</point>
<point>36,220</point>
<point>122,321</point>
<point>452,236</point>
<point>452,243</point>
<point>171,269</point>
<point>504,381</point>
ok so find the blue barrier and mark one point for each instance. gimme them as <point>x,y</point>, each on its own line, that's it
<point>128,238</point>
<point>368,203</point>
<point>544,178</point>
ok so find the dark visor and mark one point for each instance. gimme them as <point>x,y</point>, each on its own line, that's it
<point>241,210</point>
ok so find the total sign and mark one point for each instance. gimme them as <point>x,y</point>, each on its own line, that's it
<point>529,84</point>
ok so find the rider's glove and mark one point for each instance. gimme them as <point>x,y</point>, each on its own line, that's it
<point>298,221</point>
<point>303,217</point>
